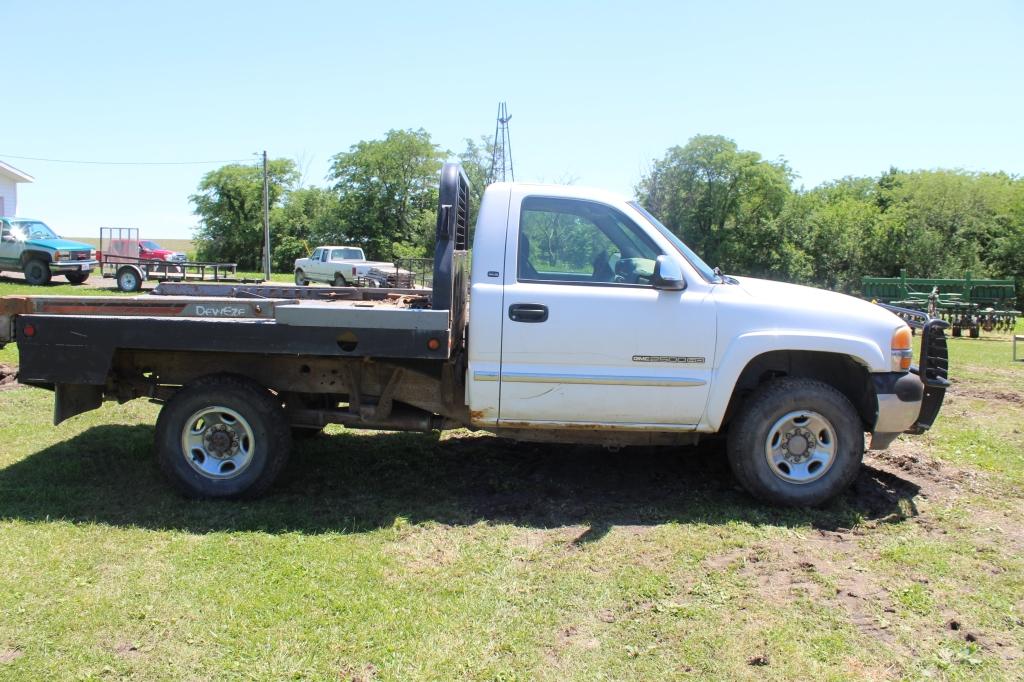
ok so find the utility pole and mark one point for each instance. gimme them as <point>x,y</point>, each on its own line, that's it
<point>501,154</point>
<point>266,220</point>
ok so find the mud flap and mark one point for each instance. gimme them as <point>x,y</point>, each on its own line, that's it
<point>74,399</point>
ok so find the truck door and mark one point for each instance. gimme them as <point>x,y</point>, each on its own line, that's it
<point>586,338</point>
<point>10,248</point>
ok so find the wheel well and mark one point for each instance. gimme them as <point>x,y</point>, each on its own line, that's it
<point>31,255</point>
<point>842,372</point>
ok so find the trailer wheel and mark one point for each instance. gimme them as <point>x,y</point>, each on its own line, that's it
<point>222,436</point>
<point>300,279</point>
<point>77,277</point>
<point>37,272</point>
<point>796,442</point>
<point>128,279</point>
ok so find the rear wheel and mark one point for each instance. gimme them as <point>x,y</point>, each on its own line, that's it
<point>339,281</point>
<point>77,277</point>
<point>222,436</point>
<point>128,279</point>
<point>796,442</point>
<point>37,272</point>
<point>300,279</point>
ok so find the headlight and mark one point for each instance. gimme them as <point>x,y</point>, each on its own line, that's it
<point>902,349</point>
<point>62,255</point>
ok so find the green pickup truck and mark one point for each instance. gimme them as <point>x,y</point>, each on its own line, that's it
<point>29,246</point>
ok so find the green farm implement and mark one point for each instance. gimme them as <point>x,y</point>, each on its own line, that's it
<point>970,305</point>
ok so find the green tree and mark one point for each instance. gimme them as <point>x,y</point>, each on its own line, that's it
<point>722,201</point>
<point>308,217</point>
<point>388,192</point>
<point>229,203</point>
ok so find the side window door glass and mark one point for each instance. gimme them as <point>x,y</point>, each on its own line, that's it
<point>570,241</point>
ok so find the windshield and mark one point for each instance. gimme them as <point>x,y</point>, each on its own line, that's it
<point>152,246</point>
<point>32,229</point>
<point>706,271</point>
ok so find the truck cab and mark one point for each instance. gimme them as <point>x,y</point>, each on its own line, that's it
<point>31,247</point>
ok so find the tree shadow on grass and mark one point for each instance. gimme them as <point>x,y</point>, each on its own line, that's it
<point>359,481</point>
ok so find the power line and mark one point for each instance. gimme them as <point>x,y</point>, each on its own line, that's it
<point>123,163</point>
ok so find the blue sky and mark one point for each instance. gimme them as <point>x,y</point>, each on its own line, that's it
<point>596,90</point>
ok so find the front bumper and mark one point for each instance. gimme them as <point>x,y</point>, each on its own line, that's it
<point>73,266</point>
<point>909,403</point>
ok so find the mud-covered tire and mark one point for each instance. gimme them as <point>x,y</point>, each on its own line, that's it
<point>37,272</point>
<point>77,277</point>
<point>750,449</point>
<point>253,409</point>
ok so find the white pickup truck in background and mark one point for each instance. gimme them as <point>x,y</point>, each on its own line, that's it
<point>583,320</point>
<point>340,266</point>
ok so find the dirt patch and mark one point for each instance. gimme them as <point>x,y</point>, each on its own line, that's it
<point>961,390</point>
<point>127,650</point>
<point>909,461</point>
<point>10,655</point>
<point>8,377</point>
<point>365,673</point>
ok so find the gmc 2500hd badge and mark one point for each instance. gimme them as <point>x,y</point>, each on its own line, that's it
<point>669,358</point>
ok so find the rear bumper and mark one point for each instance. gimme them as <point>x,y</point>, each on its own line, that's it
<point>909,403</point>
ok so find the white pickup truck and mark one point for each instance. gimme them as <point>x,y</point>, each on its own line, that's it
<point>339,266</point>
<point>584,320</point>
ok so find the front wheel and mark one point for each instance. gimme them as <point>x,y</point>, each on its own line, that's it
<point>796,442</point>
<point>300,279</point>
<point>77,277</point>
<point>37,272</point>
<point>222,436</point>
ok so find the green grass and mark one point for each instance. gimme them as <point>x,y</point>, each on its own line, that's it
<point>404,557</point>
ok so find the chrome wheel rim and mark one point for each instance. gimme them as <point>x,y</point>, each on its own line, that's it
<point>800,447</point>
<point>217,442</point>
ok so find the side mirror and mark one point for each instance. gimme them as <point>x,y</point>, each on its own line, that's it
<point>667,275</point>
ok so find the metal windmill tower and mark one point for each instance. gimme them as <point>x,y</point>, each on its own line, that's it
<point>501,154</point>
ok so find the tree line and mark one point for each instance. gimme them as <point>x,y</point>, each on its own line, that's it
<point>738,210</point>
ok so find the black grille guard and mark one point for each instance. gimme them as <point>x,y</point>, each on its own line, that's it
<point>933,368</point>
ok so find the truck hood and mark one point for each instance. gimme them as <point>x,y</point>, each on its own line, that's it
<point>809,297</point>
<point>58,244</point>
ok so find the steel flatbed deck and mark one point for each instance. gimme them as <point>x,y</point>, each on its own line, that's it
<point>57,333</point>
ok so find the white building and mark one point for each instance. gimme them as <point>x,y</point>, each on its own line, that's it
<point>9,179</point>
